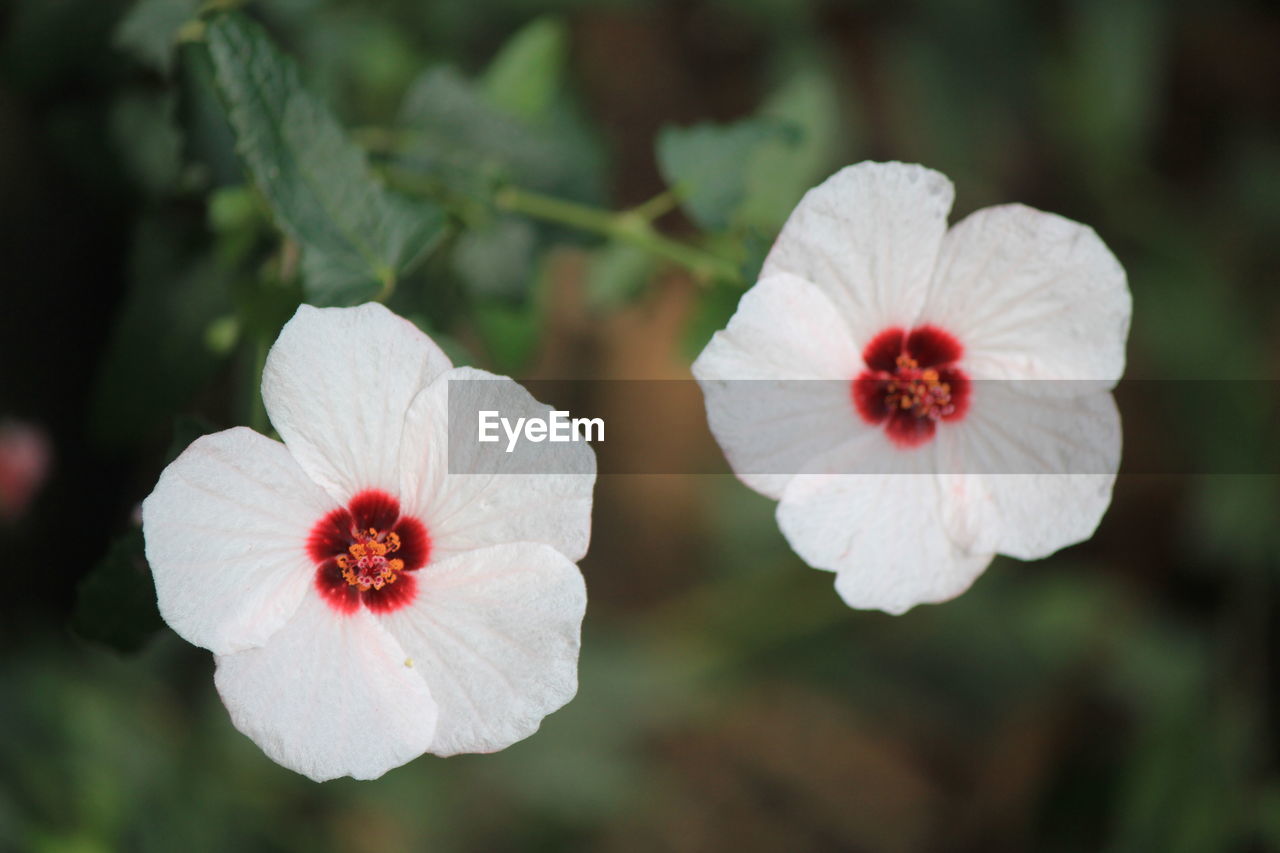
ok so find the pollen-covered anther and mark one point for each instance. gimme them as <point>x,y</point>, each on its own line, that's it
<point>923,393</point>
<point>365,565</point>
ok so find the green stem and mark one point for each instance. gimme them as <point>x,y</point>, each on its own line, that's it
<point>633,226</point>
<point>658,206</point>
<point>387,276</point>
<point>630,227</point>
<point>467,210</point>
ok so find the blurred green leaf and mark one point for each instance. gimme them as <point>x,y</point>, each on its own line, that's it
<point>616,274</point>
<point>1232,518</point>
<point>232,209</point>
<point>510,333</point>
<point>353,56</point>
<point>751,174</point>
<point>748,245</point>
<point>238,217</point>
<point>783,167</point>
<point>147,140</point>
<point>148,30</point>
<point>709,163</point>
<point>1191,749</point>
<point>1102,98</point>
<point>356,236</point>
<point>497,260</point>
<point>458,138</point>
<point>156,358</point>
<point>116,601</point>
<point>208,143</point>
<point>222,335</point>
<point>525,76</point>
<point>1192,320</point>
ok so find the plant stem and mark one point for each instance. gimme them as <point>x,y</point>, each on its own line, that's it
<point>465,209</point>
<point>658,206</point>
<point>632,227</point>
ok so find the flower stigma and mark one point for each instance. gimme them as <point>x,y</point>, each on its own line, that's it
<point>365,565</point>
<point>366,554</point>
<point>911,382</point>
<point>920,391</point>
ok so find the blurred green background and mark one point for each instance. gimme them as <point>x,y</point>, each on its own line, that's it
<point>1119,696</point>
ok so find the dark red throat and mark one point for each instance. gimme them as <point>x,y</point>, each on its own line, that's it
<point>341,538</point>
<point>910,382</point>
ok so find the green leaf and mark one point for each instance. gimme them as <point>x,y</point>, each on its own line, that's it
<point>525,76</point>
<point>354,54</point>
<point>116,601</point>
<point>497,260</point>
<point>752,173</point>
<point>708,164</point>
<point>784,167</point>
<point>751,247</point>
<point>148,30</point>
<point>208,143</point>
<point>356,236</point>
<point>461,140</point>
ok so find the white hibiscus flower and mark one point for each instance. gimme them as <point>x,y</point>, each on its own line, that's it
<point>364,604</point>
<point>925,398</point>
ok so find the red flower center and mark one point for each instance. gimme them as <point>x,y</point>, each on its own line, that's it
<point>366,552</point>
<point>911,382</point>
<point>365,565</point>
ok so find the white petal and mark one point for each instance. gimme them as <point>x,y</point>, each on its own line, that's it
<point>776,382</point>
<point>539,493</point>
<point>226,530</point>
<point>1031,295</point>
<point>868,237</point>
<point>495,634</point>
<point>337,384</point>
<point>945,575</point>
<point>883,533</point>
<point>784,328</point>
<point>1039,469</point>
<point>330,695</point>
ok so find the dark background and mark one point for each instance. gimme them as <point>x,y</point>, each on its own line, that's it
<point>1117,696</point>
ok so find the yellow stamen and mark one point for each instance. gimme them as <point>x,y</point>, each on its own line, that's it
<point>365,565</point>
